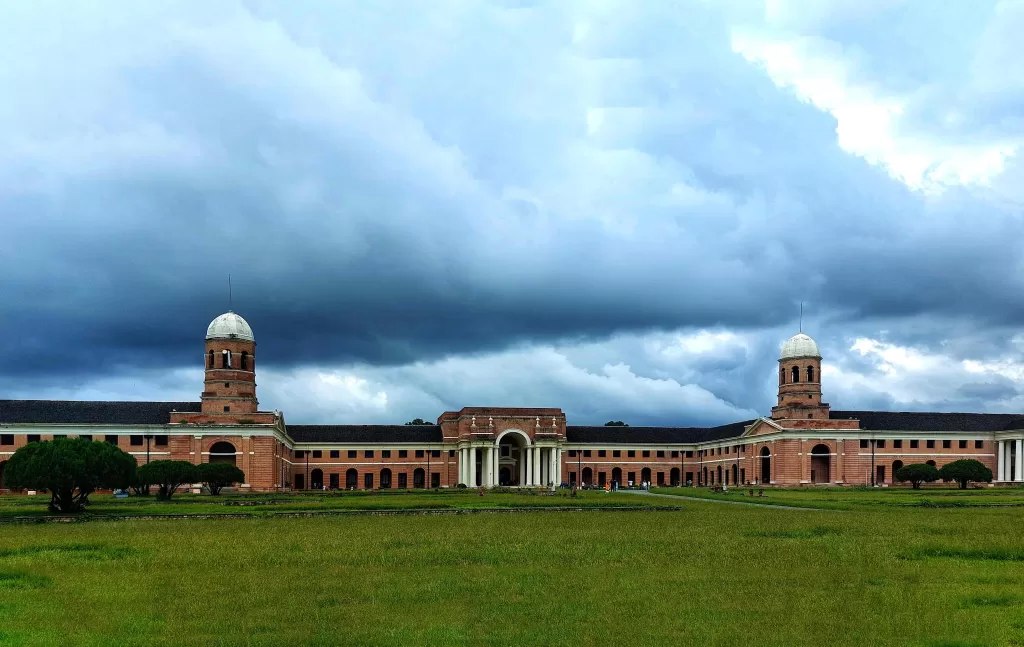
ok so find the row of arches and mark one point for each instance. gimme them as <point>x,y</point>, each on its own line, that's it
<point>795,373</point>
<point>225,360</point>
<point>387,480</point>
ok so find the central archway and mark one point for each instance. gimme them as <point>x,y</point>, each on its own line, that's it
<point>616,477</point>
<point>351,479</point>
<point>766,465</point>
<point>820,457</point>
<point>512,458</point>
<point>316,479</point>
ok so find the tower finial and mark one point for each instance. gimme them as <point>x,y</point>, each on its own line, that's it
<point>230,304</point>
<point>801,316</point>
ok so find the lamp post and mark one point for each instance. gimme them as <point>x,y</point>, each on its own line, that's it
<point>148,436</point>
<point>428,483</point>
<point>873,463</point>
<point>308,484</point>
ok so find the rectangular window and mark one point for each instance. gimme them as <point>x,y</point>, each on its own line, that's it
<point>962,444</point>
<point>647,453</point>
<point>403,479</point>
<point>419,453</point>
<point>335,453</point>
<point>689,454</point>
<point>631,453</point>
<point>913,444</point>
<point>352,453</point>
<point>385,453</point>
<point>931,444</point>
<point>403,453</point>
<point>586,453</point>
<point>317,453</point>
<point>898,444</point>
<point>880,444</point>
<point>572,453</point>
<point>946,444</point>
<point>161,441</point>
<point>451,453</point>
<point>136,440</point>
<point>616,453</point>
<point>85,436</point>
<point>368,480</point>
<point>863,443</point>
<point>675,454</point>
<point>110,438</point>
<point>368,453</point>
<point>436,453</point>
<point>661,453</point>
<point>227,409</point>
<point>300,453</point>
<point>6,439</point>
<point>56,436</point>
<point>979,444</point>
<point>601,453</point>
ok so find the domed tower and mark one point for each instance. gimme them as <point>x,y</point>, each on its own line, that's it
<point>800,381</point>
<point>230,385</point>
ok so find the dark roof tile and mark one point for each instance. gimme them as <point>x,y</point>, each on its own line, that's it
<point>365,433</point>
<point>929,421</point>
<point>652,435</point>
<point>83,412</point>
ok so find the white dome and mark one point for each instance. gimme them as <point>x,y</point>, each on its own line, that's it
<point>799,345</point>
<point>229,326</point>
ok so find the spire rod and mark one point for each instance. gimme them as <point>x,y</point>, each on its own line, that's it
<point>801,316</point>
<point>230,304</point>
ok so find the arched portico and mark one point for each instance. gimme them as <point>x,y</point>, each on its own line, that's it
<point>512,459</point>
<point>821,457</point>
<point>766,465</point>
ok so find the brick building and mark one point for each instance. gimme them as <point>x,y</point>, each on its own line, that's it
<point>802,442</point>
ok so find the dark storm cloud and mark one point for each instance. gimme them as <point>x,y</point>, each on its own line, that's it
<point>386,187</point>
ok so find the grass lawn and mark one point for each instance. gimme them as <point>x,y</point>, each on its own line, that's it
<point>875,574</point>
<point>848,498</point>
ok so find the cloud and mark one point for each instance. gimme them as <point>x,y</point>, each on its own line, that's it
<point>549,183</point>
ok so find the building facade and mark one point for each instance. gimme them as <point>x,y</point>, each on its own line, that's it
<point>803,442</point>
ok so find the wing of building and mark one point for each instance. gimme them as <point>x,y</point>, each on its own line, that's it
<point>802,441</point>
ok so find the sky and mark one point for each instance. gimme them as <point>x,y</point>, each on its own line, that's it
<point>611,207</point>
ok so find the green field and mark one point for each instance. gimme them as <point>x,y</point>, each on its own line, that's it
<point>873,574</point>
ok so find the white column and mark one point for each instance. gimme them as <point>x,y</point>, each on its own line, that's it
<point>535,461</point>
<point>471,478</point>
<point>1001,462</point>
<point>485,475</point>
<point>556,466</point>
<point>462,464</point>
<point>1019,476</point>
<point>522,466</point>
<point>495,466</point>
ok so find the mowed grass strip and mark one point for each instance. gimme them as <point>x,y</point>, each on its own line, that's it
<point>709,575</point>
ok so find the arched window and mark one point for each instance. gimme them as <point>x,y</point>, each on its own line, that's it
<point>245,361</point>
<point>225,359</point>
<point>588,476</point>
<point>810,373</point>
<point>211,358</point>
<point>222,452</point>
<point>821,456</point>
<point>796,374</point>
<point>617,475</point>
<point>896,466</point>
<point>316,479</point>
<point>645,475</point>
<point>782,375</point>
<point>385,478</point>
<point>766,465</point>
<point>673,477</point>
<point>419,478</point>
<point>351,479</point>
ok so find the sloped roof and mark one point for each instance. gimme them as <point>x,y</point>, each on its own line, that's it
<point>653,435</point>
<point>86,412</point>
<point>931,421</point>
<point>365,433</point>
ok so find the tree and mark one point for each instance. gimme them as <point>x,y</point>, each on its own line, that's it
<point>217,476</point>
<point>917,473</point>
<point>71,469</point>
<point>964,471</point>
<point>615,423</point>
<point>167,475</point>
<point>418,421</point>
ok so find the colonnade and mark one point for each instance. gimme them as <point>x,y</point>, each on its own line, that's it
<point>538,466</point>
<point>1010,460</point>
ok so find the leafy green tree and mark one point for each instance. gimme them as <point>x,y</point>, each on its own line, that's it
<point>615,423</point>
<point>217,476</point>
<point>70,469</point>
<point>418,421</point>
<point>965,471</point>
<point>168,476</point>
<point>917,473</point>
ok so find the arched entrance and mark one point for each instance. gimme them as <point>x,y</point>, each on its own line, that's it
<point>718,473</point>
<point>224,452</point>
<point>512,458</point>
<point>616,476</point>
<point>588,476</point>
<point>316,479</point>
<point>821,456</point>
<point>673,477</point>
<point>735,474</point>
<point>896,465</point>
<point>645,475</point>
<point>705,479</point>
<point>766,465</point>
<point>3,464</point>
<point>351,479</point>
<point>385,478</point>
<point>418,478</point>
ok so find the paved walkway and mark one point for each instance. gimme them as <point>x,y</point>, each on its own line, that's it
<point>697,498</point>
